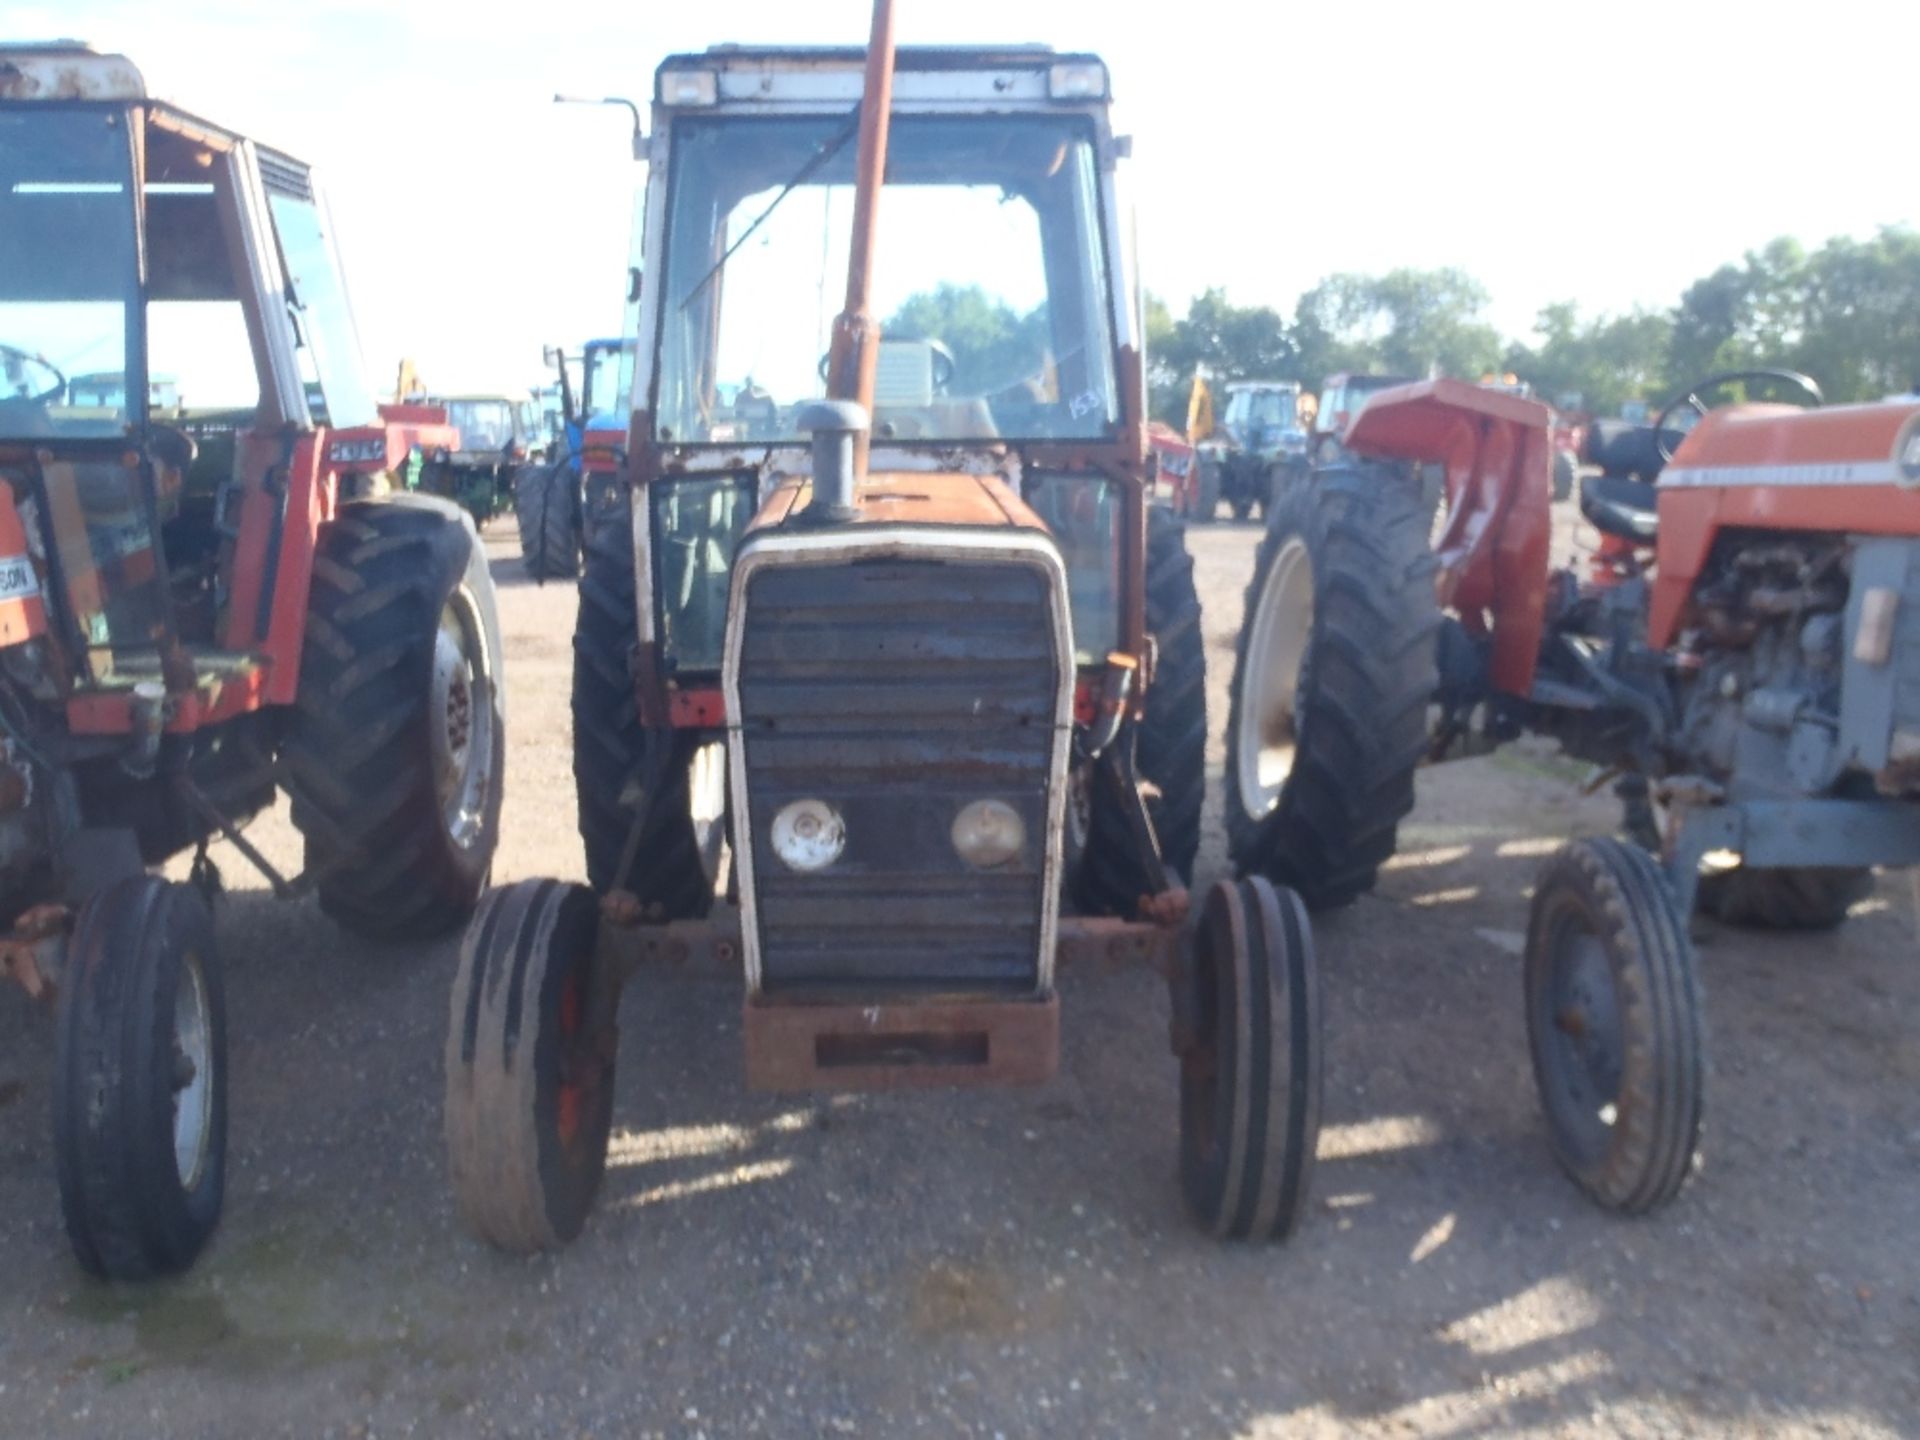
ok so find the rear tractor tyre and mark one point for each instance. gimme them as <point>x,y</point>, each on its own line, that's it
<point>1565,472</point>
<point>1250,1063</point>
<point>140,1081</point>
<point>1206,492</point>
<point>397,750</point>
<point>1335,667</point>
<point>546,506</point>
<point>1793,898</point>
<point>677,856</point>
<point>1170,742</point>
<point>1614,1021</point>
<point>529,1103</point>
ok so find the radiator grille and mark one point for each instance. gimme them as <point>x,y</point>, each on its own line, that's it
<point>898,690</point>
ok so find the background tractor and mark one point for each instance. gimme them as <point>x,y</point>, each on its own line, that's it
<point>914,656</point>
<point>1259,447</point>
<point>197,609</point>
<point>555,501</point>
<point>1742,651</point>
<point>499,435</point>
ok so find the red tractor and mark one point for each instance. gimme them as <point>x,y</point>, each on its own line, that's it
<point>1743,652</point>
<point>199,607</point>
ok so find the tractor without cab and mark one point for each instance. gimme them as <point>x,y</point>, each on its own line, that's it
<point>1742,653</point>
<point>196,610</point>
<point>915,649</point>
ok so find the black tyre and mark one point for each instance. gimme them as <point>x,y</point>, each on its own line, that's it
<point>140,1081</point>
<point>397,751</point>
<point>1333,673</point>
<point>672,872</point>
<point>1170,742</point>
<point>1565,473</point>
<point>1206,492</point>
<point>1250,1067</point>
<point>1614,1021</point>
<point>530,1068</point>
<point>546,506</point>
<point>1797,898</point>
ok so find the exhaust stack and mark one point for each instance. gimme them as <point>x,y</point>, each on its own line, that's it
<point>855,348</point>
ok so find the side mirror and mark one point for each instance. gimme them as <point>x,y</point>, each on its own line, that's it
<point>633,284</point>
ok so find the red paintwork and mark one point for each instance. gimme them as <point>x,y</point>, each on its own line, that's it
<point>110,712</point>
<point>1822,447</point>
<point>696,709</point>
<point>24,618</point>
<point>1175,472</point>
<point>1493,552</point>
<point>600,451</point>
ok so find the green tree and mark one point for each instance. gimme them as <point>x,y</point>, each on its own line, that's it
<point>1604,361</point>
<point>993,345</point>
<point>1408,322</point>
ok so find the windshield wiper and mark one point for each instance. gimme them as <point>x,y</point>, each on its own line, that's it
<point>805,173</point>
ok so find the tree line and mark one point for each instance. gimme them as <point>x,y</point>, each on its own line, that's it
<point>1847,313</point>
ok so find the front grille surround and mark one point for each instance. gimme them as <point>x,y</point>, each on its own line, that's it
<point>833,932</point>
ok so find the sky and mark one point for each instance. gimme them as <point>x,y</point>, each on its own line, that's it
<point>1605,154</point>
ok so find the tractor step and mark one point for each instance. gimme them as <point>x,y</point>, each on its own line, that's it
<point>794,1045</point>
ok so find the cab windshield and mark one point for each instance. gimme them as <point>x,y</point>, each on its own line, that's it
<point>68,280</point>
<point>483,424</point>
<point>990,284</point>
<point>607,374</point>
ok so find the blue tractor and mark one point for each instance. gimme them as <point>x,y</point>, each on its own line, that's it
<point>554,502</point>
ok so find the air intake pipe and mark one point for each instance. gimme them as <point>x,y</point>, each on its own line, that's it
<point>837,427</point>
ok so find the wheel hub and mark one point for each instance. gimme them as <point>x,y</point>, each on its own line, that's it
<point>461,721</point>
<point>192,1074</point>
<point>1587,1044</point>
<point>1282,626</point>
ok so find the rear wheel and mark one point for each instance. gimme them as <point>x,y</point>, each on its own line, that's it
<point>1792,898</point>
<point>546,505</point>
<point>529,1101</point>
<point>140,1083</point>
<point>1614,1023</point>
<point>1564,474</point>
<point>1170,742</point>
<point>1250,1071</point>
<point>674,860</point>
<point>398,743</point>
<point>1206,492</point>
<point>1334,671</point>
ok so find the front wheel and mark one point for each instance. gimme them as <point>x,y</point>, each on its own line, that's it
<point>529,1072</point>
<point>1247,1024</point>
<point>140,1081</point>
<point>1614,1022</point>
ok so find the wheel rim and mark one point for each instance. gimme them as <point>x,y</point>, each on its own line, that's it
<point>707,801</point>
<point>1269,698</point>
<point>192,1074</point>
<point>1582,1039</point>
<point>462,720</point>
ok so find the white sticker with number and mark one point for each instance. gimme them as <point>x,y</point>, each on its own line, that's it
<point>17,578</point>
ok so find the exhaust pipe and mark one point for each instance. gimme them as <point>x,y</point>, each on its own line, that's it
<point>839,430</point>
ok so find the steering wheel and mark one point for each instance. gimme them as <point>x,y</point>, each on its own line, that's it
<point>1691,399</point>
<point>18,357</point>
<point>943,362</point>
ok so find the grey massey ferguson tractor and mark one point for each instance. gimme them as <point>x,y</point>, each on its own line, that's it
<point>197,608</point>
<point>916,652</point>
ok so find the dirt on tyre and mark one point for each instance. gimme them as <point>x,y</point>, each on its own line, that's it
<point>529,1075</point>
<point>1249,1028</point>
<point>546,507</point>
<point>397,750</point>
<point>1615,1024</point>
<point>1787,898</point>
<point>1170,743</point>
<point>1333,672</point>
<point>616,759</point>
<point>140,1081</point>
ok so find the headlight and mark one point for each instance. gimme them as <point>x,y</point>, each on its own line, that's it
<point>808,835</point>
<point>988,833</point>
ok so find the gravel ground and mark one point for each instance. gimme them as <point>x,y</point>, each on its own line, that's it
<point>1014,1263</point>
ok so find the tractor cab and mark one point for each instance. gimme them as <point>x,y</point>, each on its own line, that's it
<point>173,332</point>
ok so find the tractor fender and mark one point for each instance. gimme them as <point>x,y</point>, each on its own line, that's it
<point>1497,455</point>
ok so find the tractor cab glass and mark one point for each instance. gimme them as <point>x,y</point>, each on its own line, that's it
<point>68,270</point>
<point>991,281</point>
<point>1251,413</point>
<point>483,424</point>
<point>606,375</point>
<point>329,350</point>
